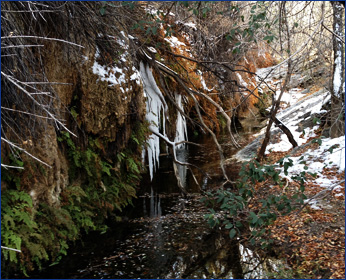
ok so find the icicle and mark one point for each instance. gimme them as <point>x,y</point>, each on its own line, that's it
<point>181,135</point>
<point>155,103</point>
<point>156,111</point>
<point>181,130</point>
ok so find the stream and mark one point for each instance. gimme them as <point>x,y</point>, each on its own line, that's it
<point>165,235</point>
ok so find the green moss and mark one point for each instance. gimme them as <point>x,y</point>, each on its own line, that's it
<point>222,121</point>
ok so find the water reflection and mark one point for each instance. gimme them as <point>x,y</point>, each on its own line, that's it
<point>165,235</point>
<point>182,156</point>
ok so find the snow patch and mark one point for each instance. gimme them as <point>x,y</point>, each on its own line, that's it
<point>189,24</point>
<point>331,153</point>
<point>109,74</point>
<point>337,78</point>
<point>204,85</point>
<point>241,81</point>
<point>174,42</point>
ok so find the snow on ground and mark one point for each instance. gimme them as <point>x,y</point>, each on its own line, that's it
<point>291,97</point>
<point>330,153</point>
<point>293,115</point>
<point>174,42</point>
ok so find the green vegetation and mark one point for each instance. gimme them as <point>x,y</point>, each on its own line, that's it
<point>237,214</point>
<point>99,188</point>
<point>285,272</point>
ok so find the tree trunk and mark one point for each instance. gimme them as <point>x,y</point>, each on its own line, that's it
<point>338,86</point>
<point>276,104</point>
<point>285,129</point>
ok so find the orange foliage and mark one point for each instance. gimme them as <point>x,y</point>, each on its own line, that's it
<point>252,60</point>
<point>189,71</point>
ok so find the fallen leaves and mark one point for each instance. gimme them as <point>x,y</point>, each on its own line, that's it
<point>312,240</point>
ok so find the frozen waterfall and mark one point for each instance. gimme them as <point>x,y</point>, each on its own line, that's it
<point>156,109</point>
<point>155,106</point>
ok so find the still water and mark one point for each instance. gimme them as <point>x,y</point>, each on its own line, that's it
<point>165,235</point>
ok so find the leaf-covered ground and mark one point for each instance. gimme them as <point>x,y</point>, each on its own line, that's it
<point>312,238</point>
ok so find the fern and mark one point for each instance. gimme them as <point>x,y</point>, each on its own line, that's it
<point>106,168</point>
<point>132,166</point>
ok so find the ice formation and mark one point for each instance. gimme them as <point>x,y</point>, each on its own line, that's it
<point>156,108</point>
<point>181,131</point>
<point>181,135</point>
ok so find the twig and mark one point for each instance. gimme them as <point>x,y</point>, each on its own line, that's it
<point>22,112</point>
<point>337,36</point>
<point>39,11</point>
<point>320,193</point>
<point>7,248</point>
<point>23,150</point>
<point>15,82</point>
<point>43,38</point>
<point>11,166</point>
<point>21,46</point>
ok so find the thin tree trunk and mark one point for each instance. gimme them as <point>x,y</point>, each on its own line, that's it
<point>276,104</point>
<point>338,85</point>
<point>285,129</point>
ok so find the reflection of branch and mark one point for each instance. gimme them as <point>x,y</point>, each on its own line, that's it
<point>222,158</point>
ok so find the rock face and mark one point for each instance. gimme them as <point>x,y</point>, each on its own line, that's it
<point>44,183</point>
<point>100,109</point>
<point>99,94</point>
<point>89,164</point>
